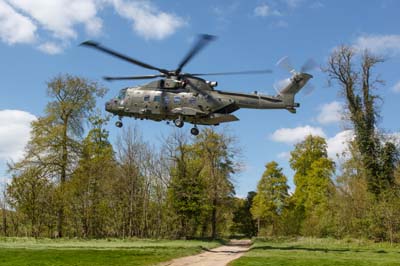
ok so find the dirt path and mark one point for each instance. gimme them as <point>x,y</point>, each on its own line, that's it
<point>220,256</point>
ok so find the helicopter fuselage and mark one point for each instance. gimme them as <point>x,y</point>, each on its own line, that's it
<point>194,100</point>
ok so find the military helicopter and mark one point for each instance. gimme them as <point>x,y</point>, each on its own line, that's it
<point>186,97</point>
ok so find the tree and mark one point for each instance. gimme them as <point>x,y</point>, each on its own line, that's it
<point>357,85</point>
<point>351,202</point>
<point>243,222</point>
<point>217,155</point>
<point>186,188</point>
<point>313,171</point>
<point>54,146</point>
<point>3,204</point>
<point>30,192</point>
<point>139,186</point>
<point>89,185</point>
<point>271,198</point>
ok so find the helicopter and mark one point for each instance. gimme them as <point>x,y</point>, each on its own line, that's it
<point>187,97</point>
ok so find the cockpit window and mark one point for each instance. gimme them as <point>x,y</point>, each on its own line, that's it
<point>177,99</point>
<point>122,94</point>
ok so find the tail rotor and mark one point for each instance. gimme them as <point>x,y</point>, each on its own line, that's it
<point>308,66</point>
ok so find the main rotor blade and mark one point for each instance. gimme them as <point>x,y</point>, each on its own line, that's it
<point>308,89</point>
<point>196,89</point>
<point>106,50</point>
<point>248,72</point>
<point>203,40</point>
<point>285,63</point>
<point>133,77</point>
<point>309,65</point>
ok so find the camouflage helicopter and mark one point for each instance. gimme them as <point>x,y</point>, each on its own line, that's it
<point>186,97</point>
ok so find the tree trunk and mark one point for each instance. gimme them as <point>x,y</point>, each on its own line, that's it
<point>214,219</point>
<point>4,220</point>
<point>63,178</point>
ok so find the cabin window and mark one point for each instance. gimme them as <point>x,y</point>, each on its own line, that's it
<point>177,99</point>
<point>166,99</point>
<point>122,94</point>
<point>146,98</point>
<point>157,98</point>
<point>192,100</point>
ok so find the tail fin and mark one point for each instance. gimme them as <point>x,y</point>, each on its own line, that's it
<point>297,82</point>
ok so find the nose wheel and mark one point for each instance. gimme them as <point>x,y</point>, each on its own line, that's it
<point>194,131</point>
<point>179,122</point>
<point>118,124</point>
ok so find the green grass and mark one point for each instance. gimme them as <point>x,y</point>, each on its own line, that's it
<point>46,252</point>
<point>321,252</point>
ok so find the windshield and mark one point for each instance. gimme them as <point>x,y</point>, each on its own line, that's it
<point>122,94</point>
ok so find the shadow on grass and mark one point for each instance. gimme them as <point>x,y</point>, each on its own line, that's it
<point>326,250</point>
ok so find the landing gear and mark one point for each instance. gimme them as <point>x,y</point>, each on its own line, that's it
<point>195,131</point>
<point>118,124</point>
<point>179,122</point>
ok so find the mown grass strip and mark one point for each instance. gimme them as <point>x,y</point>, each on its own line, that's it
<point>321,252</point>
<point>46,252</point>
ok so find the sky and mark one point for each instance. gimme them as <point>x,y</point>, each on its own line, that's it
<point>39,39</point>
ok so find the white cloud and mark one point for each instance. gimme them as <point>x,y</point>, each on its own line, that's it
<point>14,133</point>
<point>380,44</point>
<point>284,155</point>
<point>59,20</point>
<point>338,144</point>
<point>50,48</point>
<point>396,87</point>
<point>265,10</point>
<point>330,113</point>
<point>297,134</point>
<point>14,27</point>
<point>293,3</point>
<point>61,16</point>
<point>148,21</point>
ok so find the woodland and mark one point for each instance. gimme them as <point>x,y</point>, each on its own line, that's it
<point>73,182</point>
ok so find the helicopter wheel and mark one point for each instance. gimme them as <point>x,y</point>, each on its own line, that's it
<point>118,124</point>
<point>178,122</point>
<point>194,131</point>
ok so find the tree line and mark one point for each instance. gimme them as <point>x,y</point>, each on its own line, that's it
<point>72,182</point>
<point>76,184</point>
<point>362,199</point>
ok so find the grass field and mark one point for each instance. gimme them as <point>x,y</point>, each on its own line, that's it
<point>321,252</point>
<point>46,252</point>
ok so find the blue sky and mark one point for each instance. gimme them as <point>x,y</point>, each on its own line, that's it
<point>39,39</point>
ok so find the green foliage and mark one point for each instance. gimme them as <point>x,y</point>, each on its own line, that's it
<point>187,188</point>
<point>357,83</point>
<point>218,155</point>
<point>384,217</point>
<point>87,190</point>
<point>201,192</point>
<point>271,198</point>
<point>73,182</point>
<point>243,222</point>
<point>54,145</point>
<point>30,192</point>
<point>313,183</point>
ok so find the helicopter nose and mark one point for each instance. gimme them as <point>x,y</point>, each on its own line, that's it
<point>109,106</point>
